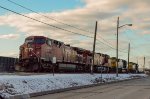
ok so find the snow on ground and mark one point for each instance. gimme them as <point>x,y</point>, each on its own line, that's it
<point>16,84</point>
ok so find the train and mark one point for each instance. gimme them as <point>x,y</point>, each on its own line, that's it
<point>7,64</point>
<point>133,67</point>
<point>40,54</point>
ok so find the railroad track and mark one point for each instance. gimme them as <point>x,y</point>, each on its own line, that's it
<point>28,73</point>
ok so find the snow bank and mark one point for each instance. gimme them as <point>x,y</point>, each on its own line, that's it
<point>14,84</point>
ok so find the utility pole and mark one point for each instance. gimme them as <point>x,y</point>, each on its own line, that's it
<point>94,48</point>
<point>128,56</point>
<point>117,47</point>
<point>117,43</point>
<point>144,65</point>
<point>149,64</point>
<point>137,61</point>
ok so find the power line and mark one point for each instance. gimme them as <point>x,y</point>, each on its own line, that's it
<point>104,40</point>
<point>131,42</point>
<point>44,22</point>
<point>52,18</point>
<point>111,46</point>
<point>52,25</point>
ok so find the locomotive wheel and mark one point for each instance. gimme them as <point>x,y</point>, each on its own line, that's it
<point>35,68</point>
<point>23,69</point>
<point>17,67</point>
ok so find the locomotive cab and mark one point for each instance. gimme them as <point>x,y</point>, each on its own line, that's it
<point>32,47</point>
<point>30,53</point>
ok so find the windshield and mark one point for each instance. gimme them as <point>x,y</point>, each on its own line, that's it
<point>29,40</point>
<point>39,40</point>
<point>35,40</point>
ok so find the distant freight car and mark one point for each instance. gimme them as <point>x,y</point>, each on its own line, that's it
<point>7,64</point>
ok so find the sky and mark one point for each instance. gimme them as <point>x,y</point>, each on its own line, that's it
<point>83,15</point>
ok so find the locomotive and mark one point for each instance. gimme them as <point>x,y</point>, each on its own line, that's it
<point>39,53</point>
<point>122,64</point>
<point>133,67</point>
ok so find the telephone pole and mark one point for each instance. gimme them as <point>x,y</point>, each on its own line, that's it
<point>128,56</point>
<point>144,65</point>
<point>149,64</point>
<point>94,48</point>
<point>117,47</point>
<point>137,61</point>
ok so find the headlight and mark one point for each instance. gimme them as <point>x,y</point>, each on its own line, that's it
<point>29,45</point>
<point>37,52</point>
<point>30,49</point>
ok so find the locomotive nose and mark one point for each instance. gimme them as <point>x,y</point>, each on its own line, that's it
<point>29,45</point>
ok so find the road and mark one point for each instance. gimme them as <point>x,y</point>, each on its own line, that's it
<point>133,89</point>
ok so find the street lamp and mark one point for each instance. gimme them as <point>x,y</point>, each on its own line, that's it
<point>117,42</point>
<point>125,25</point>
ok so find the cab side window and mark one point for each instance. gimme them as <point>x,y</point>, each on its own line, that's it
<point>55,43</point>
<point>49,42</point>
<point>58,44</point>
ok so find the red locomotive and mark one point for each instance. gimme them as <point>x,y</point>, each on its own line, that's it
<point>38,53</point>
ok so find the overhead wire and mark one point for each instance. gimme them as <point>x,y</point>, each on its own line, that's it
<point>56,20</point>
<point>130,41</point>
<point>136,52</point>
<point>111,47</point>
<point>52,25</point>
<point>43,22</point>
<point>52,18</point>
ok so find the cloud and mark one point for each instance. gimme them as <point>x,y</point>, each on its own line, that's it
<point>9,54</point>
<point>105,12</point>
<point>9,36</point>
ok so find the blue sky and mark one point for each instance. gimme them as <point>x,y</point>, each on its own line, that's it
<point>42,6</point>
<point>82,14</point>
